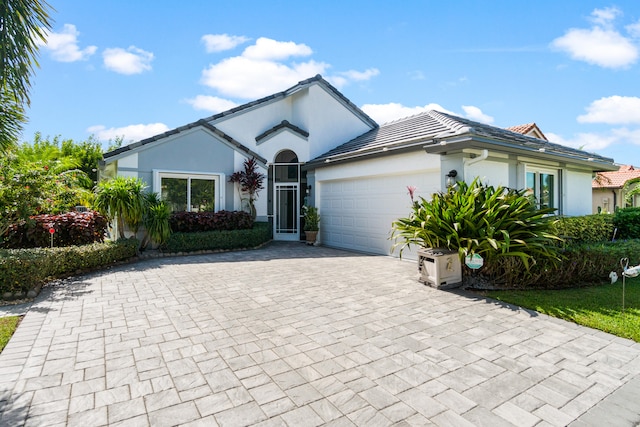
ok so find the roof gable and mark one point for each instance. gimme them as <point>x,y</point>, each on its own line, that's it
<point>210,121</point>
<point>284,125</point>
<point>137,146</point>
<point>530,129</point>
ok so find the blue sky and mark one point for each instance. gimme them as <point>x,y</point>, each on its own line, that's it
<point>136,69</point>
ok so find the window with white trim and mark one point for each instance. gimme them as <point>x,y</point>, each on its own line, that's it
<point>189,192</point>
<point>543,184</point>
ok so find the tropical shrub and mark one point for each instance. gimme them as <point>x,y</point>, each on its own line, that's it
<point>586,228</point>
<point>192,222</point>
<point>72,228</point>
<point>30,188</point>
<point>23,269</point>
<point>627,221</point>
<point>220,239</point>
<point>156,220</point>
<point>121,199</point>
<point>250,183</point>
<point>480,219</point>
<point>582,265</point>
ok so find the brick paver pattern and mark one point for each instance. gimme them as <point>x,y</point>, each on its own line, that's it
<point>290,335</point>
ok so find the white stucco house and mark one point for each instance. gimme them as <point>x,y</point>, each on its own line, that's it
<point>317,147</point>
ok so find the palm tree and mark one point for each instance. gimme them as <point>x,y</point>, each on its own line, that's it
<point>23,26</point>
<point>121,199</point>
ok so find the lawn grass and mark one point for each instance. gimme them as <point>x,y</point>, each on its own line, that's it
<point>598,307</point>
<point>8,326</point>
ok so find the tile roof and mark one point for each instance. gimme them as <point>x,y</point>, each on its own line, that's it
<point>297,87</point>
<point>526,129</point>
<point>427,130</point>
<point>615,179</point>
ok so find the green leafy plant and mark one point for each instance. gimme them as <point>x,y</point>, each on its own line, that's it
<point>478,219</point>
<point>156,220</point>
<point>627,221</point>
<point>219,240</point>
<point>23,269</point>
<point>311,218</point>
<point>585,228</point>
<point>121,199</point>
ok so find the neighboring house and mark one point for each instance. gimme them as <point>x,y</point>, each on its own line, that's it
<point>609,192</point>
<point>317,147</point>
<point>530,129</point>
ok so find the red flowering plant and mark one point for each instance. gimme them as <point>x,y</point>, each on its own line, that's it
<point>249,182</point>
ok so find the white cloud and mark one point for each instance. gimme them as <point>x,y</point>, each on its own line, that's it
<point>130,61</point>
<point>385,113</point>
<point>249,78</point>
<point>266,67</point>
<point>605,17</point>
<point>269,49</point>
<point>476,114</point>
<point>601,45</point>
<point>211,103</point>
<point>634,29</point>
<point>63,45</point>
<point>221,42</point>
<point>360,75</point>
<point>627,135</point>
<point>591,142</point>
<point>128,133</point>
<point>613,110</point>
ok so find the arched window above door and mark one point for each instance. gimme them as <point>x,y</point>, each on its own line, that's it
<point>287,168</point>
<point>286,156</point>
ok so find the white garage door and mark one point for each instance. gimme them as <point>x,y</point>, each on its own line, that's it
<point>357,213</point>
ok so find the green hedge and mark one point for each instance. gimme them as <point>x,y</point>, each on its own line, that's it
<point>627,221</point>
<point>24,269</point>
<point>221,239</point>
<point>582,264</point>
<point>585,229</point>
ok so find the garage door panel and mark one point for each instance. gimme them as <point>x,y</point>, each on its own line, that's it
<point>358,216</point>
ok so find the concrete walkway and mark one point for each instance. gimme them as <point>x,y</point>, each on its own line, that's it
<point>291,335</point>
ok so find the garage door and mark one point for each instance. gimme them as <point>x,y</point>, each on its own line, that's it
<point>357,213</point>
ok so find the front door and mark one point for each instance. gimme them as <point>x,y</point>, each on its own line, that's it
<point>285,173</point>
<point>286,221</point>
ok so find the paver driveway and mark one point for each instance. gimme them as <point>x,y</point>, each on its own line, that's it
<point>301,336</point>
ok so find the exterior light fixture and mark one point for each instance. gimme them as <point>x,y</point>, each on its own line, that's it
<point>450,178</point>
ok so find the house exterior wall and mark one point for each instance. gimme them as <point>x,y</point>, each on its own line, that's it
<point>605,199</point>
<point>490,172</point>
<point>577,193</point>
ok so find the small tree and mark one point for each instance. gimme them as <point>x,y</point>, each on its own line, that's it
<point>121,199</point>
<point>250,183</point>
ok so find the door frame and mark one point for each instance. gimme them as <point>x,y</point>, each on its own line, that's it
<point>292,234</point>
